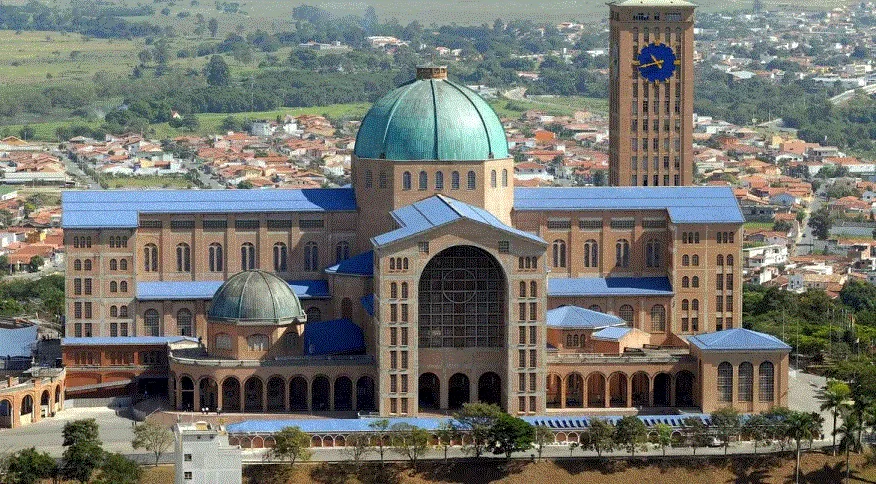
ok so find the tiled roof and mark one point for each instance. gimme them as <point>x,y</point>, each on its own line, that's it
<point>18,341</point>
<point>338,336</point>
<point>126,340</point>
<point>120,208</point>
<point>358,265</point>
<point>738,339</point>
<point>611,334</point>
<point>440,210</point>
<point>610,286</point>
<point>184,290</point>
<point>684,204</point>
<point>577,317</point>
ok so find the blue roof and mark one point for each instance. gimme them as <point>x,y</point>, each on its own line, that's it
<point>611,334</point>
<point>126,340</point>
<point>358,265</point>
<point>610,286</point>
<point>368,304</point>
<point>440,210</point>
<point>120,208</point>
<point>184,290</point>
<point>738,339</point>
<point>18,342</point>
<point>684,204</point>
<point>338,336</point>
<point>580,318</point>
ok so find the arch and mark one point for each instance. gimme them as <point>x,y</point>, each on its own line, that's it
<point>458,390</point>
<point>493,179</point>
<point>311,256</point>
<point>504,177</point>
<point>684,389</point>
<point>346,308</point>
<point>316,441</point>
<point>622,253</point>
<point>209,391</point>
<point>746,382</point>
<point>559,253</point>
<point>253,392</point>
<point>151,322</point>
<point>454,180</point>
<point>150,258</point>
<point>627,313</point>
<point>553,393</point>
<point>5,414</point>
<point>617,390</point>
<point>58,398</point>
<point>725,382</point>
<point>216,260</point>
<point>231,394</point>
<point>247,257</point>
<point>641,389</point>
<point>591,253</point>
<point>766,388</point>
<point>321,391</point>
<point>342,251</point>
<point>46,403</point>
<point>406,180</point>
<point>365,394</point>
<point>298,393</point>
<point>472,180</point>
<point>184,322</point>
<point>439,180</point>
<point>658,318</point>
<point>596,390</point>
<point>424,180</point>
<point>183,257</point>
<point>343,393</point>
<point>314,314</point>
<point>575,390</point>
<point>281,257</point>
<point>490,388</point>
<point>662,390</point>
<point>276,394</point>
<point>720,260</point>
<point>429,388</point>
<point>26,407</point>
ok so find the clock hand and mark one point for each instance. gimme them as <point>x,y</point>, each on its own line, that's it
<point>649,65</point>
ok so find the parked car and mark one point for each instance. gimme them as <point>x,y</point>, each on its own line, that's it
<point>716,442</point>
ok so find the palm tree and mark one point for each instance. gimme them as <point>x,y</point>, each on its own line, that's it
<point>800,426</point>
<point>834,397</point>
<point>850,432</point>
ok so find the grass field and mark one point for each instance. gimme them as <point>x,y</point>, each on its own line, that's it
<point>749,226</point>
<point>147,182</point>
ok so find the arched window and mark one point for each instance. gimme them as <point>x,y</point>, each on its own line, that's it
<point>123,286</point>
<point>424,180</point>
<point>87,264</point>
<point>685,281</point>
<point>454,180</point>
<point>76,242</point>
<point>77,265</point>
<point>150,258</point>
<point>114,311</point>
<point>369,179</point>
<point>652,253</point>
<point>685,260</point>
<point>725,382</point>
<point>471,180</point>
<point>729,260</point>
<point>626,313</point>
<point>504,178</point>
<point>658,318</point>
<point>184,322</point>
<point>314,315</point>
<point>346,308</point>
<point>223,341</point>
<point>124,242</point>
<point>533,289</point>
<point>406,180</point>
<point>342,251</point>
<point>123,264</point>
<point>247,257</point>
<point>114,286</point>
<point>257,342</point>
<point>595,307</point>
<point>569,340</point>
<point>591,253</point>
<point>559,248</point>
<point>575,341</point>
<point>123,311</point>
<point>685,304</point>
<point>767,382</point>
<point>695,304</point>
<point>522,289</point>
<point>493,180</point>
<point>695,260</point>
<point>404,290</point>
<point>393,290</point>
<point>183,258</point>
<point>695,281</point>
<point>622,253</point>
<point>746,382</point>
<point>217,261</point>
<point>439,180</point>
<point>114,265</point>
<point>281,257</point>
<point>151,322</point>
<point>720,260</point>
<point>311,256</point>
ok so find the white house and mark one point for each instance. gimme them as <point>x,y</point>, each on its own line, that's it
<point>203,456</point>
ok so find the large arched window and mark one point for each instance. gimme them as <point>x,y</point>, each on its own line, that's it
<point>183,258</point>
<point>257,342</point>
<point>342,251</point>
<point>559,252</point>
<point>591,253</point>
<point>454,180</point>
<point>424,180</point>
<point>653,253</point>
<point>767,382</point>
<point>658,318</point>
<point>622,253</point>
<point>685,304</point>
<point>123,286</point>
<point>626,313</point>
<point>150,258</point>
<point>184,323</point>
<point>406,180</point>
<point>151,322</point>
<point>471,180</point>
<point>746,382</point>
<point>216,259</point>
<point>493,179</point>
<point>439,180</point>
<point>114,286</point>
<point>725,382</point>
<point>123,311</point>
<point>247,257</point>
<point>281,257</point>
<point>311,256</point>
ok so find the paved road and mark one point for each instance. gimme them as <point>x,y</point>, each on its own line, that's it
<point>74,170</point>
<point>207,180</point>
<point>806,242</point>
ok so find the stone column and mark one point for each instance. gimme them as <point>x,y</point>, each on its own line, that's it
<point>671,391</point>
<point>218,394</point>
<point>629,391</point>
<point>287,388</point>
<point>563,391</point>
<point>606,402</point>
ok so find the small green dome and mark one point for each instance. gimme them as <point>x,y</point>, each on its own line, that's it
<point>431,118</point>
<point>255,297</point>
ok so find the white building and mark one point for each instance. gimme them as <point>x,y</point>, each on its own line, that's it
<point>203,456</point>
<point>765,256</point>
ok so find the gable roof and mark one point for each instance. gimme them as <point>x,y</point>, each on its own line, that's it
<point>738,339</point>
<point>611,334</point>
<point>358,265</point>
<point>437,211</point>
<point>580,318</point>
<point>610,286</point>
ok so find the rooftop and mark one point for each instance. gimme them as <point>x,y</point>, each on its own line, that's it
<point>18,342</point>
<point>574,317</point>
<point>738,339</point>
<point>186,290</point>
<point>610,286</point>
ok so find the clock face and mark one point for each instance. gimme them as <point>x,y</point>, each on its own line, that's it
<point>656,62</point>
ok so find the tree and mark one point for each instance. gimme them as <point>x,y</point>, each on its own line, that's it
<point>697,433</point>
<point>83,453</point>
<point>410,441</point>
<point>245,185</point>
<point>757,429</point>
<point>820,222</point>
<point>213,26</point>
<point>849,432</point>
<point>510,434</point>
<point>35,263</point>
<point>26,132</point>
<point>726,423</point>
<point>152,437</point>
<point>477,419</point>
<point>447,433</point>
<point>216,71</point>
<point>799,427</point>
<point>356,447</point>
<point>191,122</point>
<point>630,432</point>
<point>6,217</point>
<point>542,436</point>
<point>231,123</point>
<point>664,436</point>
<point>4,263</point>
<point>29,466</point>
<point>118,469</point>
<point>600,436</point>
<point>291,444</point>
<point>834,397</point>
<point>381,426</point>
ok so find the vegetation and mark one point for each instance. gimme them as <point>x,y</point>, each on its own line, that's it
<point>510,434</point>
<point>477,419</point>
<point>153,437</point>
<point>43,297</point>
<point>291,444</point>
<point>29,466</point>
<point>410,442</point>
<point>83,453</point>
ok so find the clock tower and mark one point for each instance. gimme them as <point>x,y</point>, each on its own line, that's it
<point>651,93</point>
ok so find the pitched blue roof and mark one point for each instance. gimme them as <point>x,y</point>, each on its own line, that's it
<point>440,210</point>
<point>126,340</point>
<point>184,290</point>
<point>120,208</point>
<point>368,304</point>
<point>684,204</point>
<point>338,336</point>
<point>580,318</point>
<point>358,265</point>
<point>610,286</point>
<point>738,339</point>
<point>18,342</point>
<point>611,334</point>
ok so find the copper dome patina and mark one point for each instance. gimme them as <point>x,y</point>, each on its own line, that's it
<point>431,118</point>
<point>256,298</point>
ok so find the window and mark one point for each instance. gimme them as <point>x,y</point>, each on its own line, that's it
<point>342,251</point>
<point>77,286</point>
<point>257,342</point>
<point>114,329</point>
<point>182,224</point>
<point>123,264</point>
<point>685,281</point>
<point>729,260</point>
<point>729,281</point>
<point>623,224</point>
<point>247,257</point>
<point>685,260</point>
<point>369,179</point>
<point>77,265</point>
<point>559,225</point>
<point>622,253</point>
<point>493,179</point>
<point>423,247</point>
<point>720,260</point>
<point>559,253</point>
<point>280,224</point>
<point>311,256</point>
<point>281,256</point>
<point>590,224</point>
<point>314,314</point>
<point>471,180</point>
<point>123,313</point>
<point>187,475</point>
<point>215,257</point>
<point>184,322</point>
<point>424,180</point>
<point>114,265</point>
<point>114,286</point>
<point>695,281</point>
<point>658,318</point>
<point>454,180</point>
<point>719,283</point>
<point>439,180</point>
<point>150,258</point>
<point>382,180</point>
<point>695,260</point>
<point>626,313</point>
<point>654,224</point>
<point>504,246</point>
<point>533,289</point>
<point>685,305</point>
<point>746,382</point>
<point>223,341</point>
<point>766,384</point>
<point>504,178</point>
<point>114,311</point>
<point>183,258</point>
<point>316,223</point>
<point>219,224</point>
<point>88,263</point>
<point>151,322</point>
<point>246,224</point>
<point>652,253</point>
<point>725,382</point>
<point>406,180</point>
<point>123,286</point>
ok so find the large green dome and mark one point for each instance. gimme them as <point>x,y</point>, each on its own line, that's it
<point>431,118</point>
<point>255,297</point>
